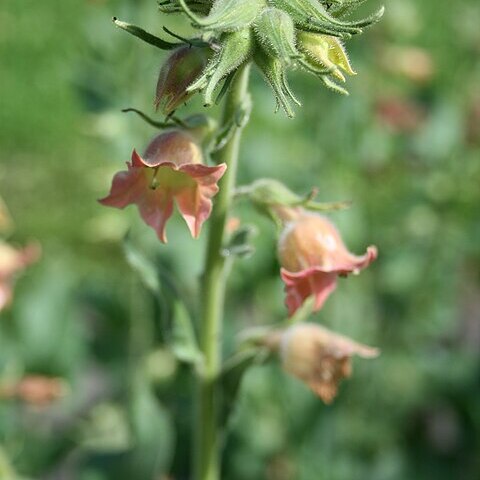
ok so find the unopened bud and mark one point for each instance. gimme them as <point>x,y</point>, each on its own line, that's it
<point>275,32</point>
<point>324,51</point>
<point>177,73</point>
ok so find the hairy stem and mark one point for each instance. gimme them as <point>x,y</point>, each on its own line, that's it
<point>207,433</point>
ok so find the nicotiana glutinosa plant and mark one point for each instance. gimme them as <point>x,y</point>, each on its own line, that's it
<point>191,163</point>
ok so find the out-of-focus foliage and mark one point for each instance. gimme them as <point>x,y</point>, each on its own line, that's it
<point>404,147</point>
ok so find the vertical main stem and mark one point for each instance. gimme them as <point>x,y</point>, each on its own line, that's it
<point>207,434</point>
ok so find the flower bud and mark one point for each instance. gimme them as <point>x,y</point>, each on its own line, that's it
<point>176,74</point>
<point>312,255</point>
<point>324,51</point>
<point>318,357</point>
<point>275,32</point>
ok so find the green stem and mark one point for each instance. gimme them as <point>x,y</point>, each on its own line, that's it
<point>207,434</point>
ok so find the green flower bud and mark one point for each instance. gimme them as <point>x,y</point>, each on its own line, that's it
<point>324,51</point>
<point>275,32</point>
<point>226,15</point>
<point>235,49</point>
<point>176,74</point>
<point>275,74</point>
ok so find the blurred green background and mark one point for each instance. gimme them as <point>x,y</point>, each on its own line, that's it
<point>404,147</point>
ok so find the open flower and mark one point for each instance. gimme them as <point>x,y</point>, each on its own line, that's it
<point>318,357</point>
<point>312,255</point>
<point>171,169</point>
<point>12,262</point>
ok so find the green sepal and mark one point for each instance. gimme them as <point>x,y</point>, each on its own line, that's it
<point>226,15</point>
<point>144,35</point>
<point>312,16</point>
<point>236,48</point>
<point>275,74</point>
<point>268,194</point>
<point>172,6</point>
<point>329,83</point>
<point>275,32</point>
<point>340,8</point>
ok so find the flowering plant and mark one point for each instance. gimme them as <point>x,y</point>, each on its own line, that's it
<point>193,163</point>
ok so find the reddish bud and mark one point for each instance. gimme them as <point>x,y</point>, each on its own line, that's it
<point>180,69</point>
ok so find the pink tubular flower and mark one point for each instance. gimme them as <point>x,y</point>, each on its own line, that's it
<point>171,169</point>
<point>12,262</point>
<point>312,255</point>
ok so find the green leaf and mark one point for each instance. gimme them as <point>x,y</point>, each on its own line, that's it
<point>142,265</point>
<point>153,433</point>
<point>106,430</point>
<point>183,340</point>
<point>240,243</point>
<point>232,375</point>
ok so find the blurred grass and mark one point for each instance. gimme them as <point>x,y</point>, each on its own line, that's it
<point>65,75</point>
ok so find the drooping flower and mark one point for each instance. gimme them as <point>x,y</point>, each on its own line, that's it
<point>12,262</point>
<point>171,170</point>
<point>318,357</point>
<point>312,255</point>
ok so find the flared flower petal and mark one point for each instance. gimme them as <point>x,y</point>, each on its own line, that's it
<point>169,172</point>
<point>319,357</point>
<point>301,285</point>
<point>313,255</point>
<point>195,203</point>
